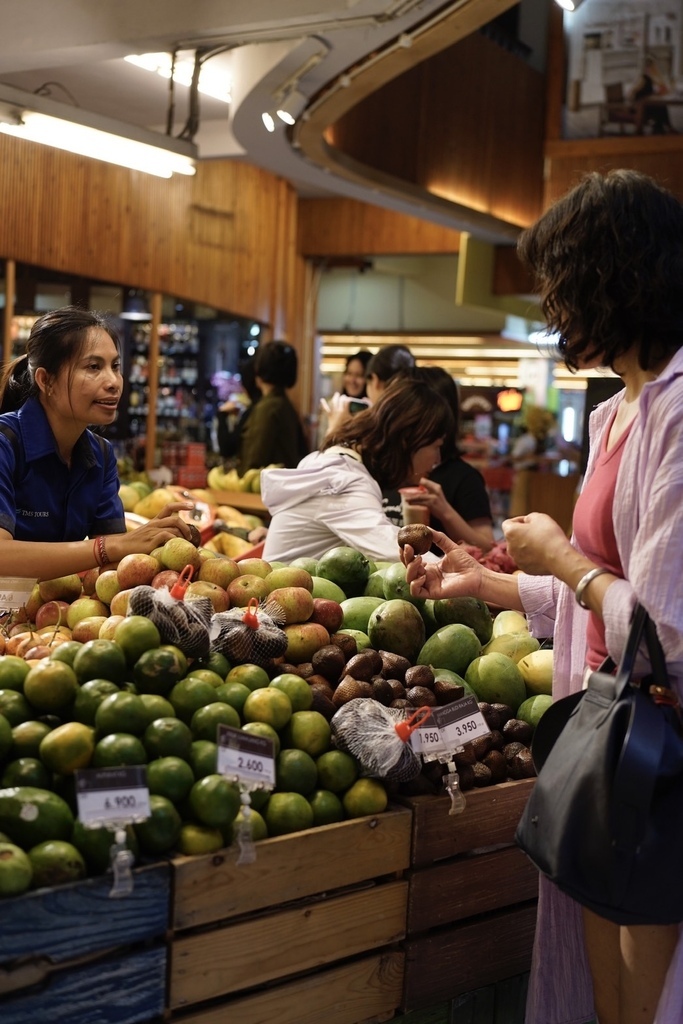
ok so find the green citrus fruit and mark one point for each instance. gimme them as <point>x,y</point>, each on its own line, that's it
<point>254,821</point>
<point>214,801</point>
<point>117,749</point>
<point>170,777</point>
<point>207,675</point>
<point>309,731</point>
<point>160,832</point>
<point>205,721</point>
<point>26,738</point>
<point>121,712</point>
<point>6,737</point>
<point>26,771</point>
<point>167,737</point>
<point>327,807</point>
<point>268,705</point>
<point>296,688</point>
<point>16,870</point>
<point>89,697</point>
<point>100,659</point>
<point>216,662</point>
<point>287,812</point>
<point>252,676</point>
<point>337,770</point>
<point>157,706</point>
<point>14,707</point>
<point>56,862</point>
<point>51,686</point>
<point>197,839</point>
<point>13,671</point>
<point>234,694</point>
<point>180,655</point>
<point>190,694</point>
<point>94,845</point>
<point>203,758</point>
<point>136,634</point>
<point>68,747</point>
<point>295,772</point>
<point>365,796</point>
<point>157,671</point>
<point>66,652</point>
<point>263,729</point>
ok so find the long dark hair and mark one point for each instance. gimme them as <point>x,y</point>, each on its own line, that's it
<point>390,360</point>
<point>57,339</point>
<point>409,415</point>
<point>441,381</point>
<point>608,260</point>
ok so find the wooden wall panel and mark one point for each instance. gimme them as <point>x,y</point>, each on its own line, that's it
<point>659,156</point>
<point>346,227</point>
<point>467,125</point>
<point>225,237</point>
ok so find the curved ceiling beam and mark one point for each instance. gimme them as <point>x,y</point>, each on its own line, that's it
<point>371,73</point>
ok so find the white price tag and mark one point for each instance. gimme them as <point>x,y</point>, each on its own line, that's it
<point>247,758</point>
<point>461,722</point>
<point>428,740</point>
<point>112,796</point>
<point>14,593</point>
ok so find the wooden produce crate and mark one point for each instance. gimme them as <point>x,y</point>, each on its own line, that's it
<point>74,955</point>
<point>307,932</point>
<point>472,895</point>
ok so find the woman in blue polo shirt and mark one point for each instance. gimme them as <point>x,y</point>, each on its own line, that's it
<point>58,480</point>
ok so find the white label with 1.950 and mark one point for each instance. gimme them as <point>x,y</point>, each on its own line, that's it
<point>460,722</point>
<point>245,757</point>
<point>112,796</point>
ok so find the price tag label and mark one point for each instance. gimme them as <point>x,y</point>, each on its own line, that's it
<point>428,740</point>
<point>14,593</point>
<point>112,796</point>
<point>247,758</point>
<point>461,722</point>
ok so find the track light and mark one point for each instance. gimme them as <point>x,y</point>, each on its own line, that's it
<point>268,120</point>
<point>569,5</point>
<point>37,119</point>
<point>135,306</point>
<point>291,107</point>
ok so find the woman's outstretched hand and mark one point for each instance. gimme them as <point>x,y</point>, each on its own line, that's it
<point>153,534</point>
<point>457,574</point>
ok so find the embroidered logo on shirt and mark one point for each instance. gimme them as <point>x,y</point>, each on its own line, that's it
<point>29,512</point>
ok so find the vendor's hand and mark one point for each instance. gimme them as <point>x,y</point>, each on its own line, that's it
<point>457,574</point>
<point>535,542</point>
<point>152,534</point>
<point>258,534</point>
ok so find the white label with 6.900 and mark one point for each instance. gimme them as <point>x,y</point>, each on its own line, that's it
<point>112,796</point>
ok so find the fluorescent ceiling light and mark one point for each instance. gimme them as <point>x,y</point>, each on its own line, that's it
<point>212,81</point>
<point>37,119</point>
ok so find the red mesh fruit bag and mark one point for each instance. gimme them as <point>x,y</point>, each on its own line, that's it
<point>185,624</point>
<point>252,634</point>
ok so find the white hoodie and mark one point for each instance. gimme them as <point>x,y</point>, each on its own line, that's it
<point>330,499</point>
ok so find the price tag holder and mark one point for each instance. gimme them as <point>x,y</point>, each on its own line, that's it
<point>112,796</point>
<point>14,593</point>
<point>449,727</point>
<point>247,758</point>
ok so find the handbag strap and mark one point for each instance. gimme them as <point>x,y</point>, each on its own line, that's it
<point>641,623</point>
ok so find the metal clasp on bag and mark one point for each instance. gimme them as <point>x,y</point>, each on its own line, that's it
<point>663,695</point>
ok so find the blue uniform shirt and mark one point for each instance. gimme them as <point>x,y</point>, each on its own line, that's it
<point>41,498</point>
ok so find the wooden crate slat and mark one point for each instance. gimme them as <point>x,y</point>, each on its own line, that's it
<point>215,887</point>
<point>255,951</point>
<point>125,990</point>
<point>355,991</point>
<point>72,920</point>
<point>489,819</point>
<point>444,963</point>
<point>467,886</point>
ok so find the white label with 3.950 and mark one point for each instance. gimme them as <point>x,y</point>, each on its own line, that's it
<point>461,722</point>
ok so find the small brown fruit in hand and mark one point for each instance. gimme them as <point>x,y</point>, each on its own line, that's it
<point>195,536</point>
<point>418,536</point>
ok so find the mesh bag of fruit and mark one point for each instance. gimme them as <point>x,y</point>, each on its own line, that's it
<point>377,736</point>
<point>185,624</point>
<point>252,634</point>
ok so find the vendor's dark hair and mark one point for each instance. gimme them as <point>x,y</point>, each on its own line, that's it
<point>389,361</point>
<point>409,415</point>
<point>608,261</point>
<point>57,339</point>
<point>441,381</point>
<point>276,363</point>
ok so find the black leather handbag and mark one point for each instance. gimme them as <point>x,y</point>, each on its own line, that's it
<point>604,820</point>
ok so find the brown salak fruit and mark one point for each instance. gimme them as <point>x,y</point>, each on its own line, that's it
<point>418,536</point>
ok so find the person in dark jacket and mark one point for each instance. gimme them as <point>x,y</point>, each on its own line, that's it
<point>232,417</point>
<point>273,433</point>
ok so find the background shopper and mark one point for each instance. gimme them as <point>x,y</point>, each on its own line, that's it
<point>273,432</point>
<point>608,259</point>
